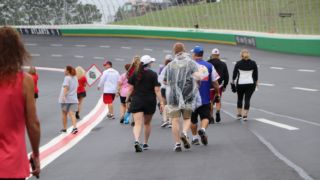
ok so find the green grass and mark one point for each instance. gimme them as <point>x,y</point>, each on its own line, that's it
<point>247,15</point>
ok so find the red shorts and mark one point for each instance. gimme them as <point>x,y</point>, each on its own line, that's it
<point>108,98</point>
<point>213,93</point>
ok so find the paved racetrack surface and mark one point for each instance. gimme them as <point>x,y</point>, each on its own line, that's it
<point>289,93</point>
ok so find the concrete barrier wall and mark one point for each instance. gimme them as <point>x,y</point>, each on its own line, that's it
<point>295,44</point>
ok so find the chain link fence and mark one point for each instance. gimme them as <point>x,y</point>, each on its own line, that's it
<point>273,16</point>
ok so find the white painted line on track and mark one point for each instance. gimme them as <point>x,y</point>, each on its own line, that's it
<point>234,62</point>
<point>50,69</point>
<point>223,60</point>
<point>104,46</point>
<point>276,114</point>
<point>80,45</point>
<point>56,45</point>
<point>125,47</point>
<point>284,126</point>
<point>35,55</point>
<point>277,68</point>
<point>297,168</point>
<point>305,89</point>
<point>30,44</point>
<point>266,84</point>
<point>147,49</point>
<point>302,173</point>
<point>78,56</point>
<point>306,70</point>
<point>98,57</point>
<point>56,55</point>
<point>119,59</point>
<point>167,51</point>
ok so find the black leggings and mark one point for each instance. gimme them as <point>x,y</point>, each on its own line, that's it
<point>245,90</point>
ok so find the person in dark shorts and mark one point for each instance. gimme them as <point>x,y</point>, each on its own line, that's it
<point>209,78</point>
<point>245,79</point>
<point>223,81</point>
<point>144,90</point>
<point>123,88</point>
<point>81,91</point>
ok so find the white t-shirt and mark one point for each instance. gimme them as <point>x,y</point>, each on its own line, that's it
<point>72,84</point>
<point>109,81</point>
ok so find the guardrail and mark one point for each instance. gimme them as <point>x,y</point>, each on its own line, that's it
<point>296,44</point>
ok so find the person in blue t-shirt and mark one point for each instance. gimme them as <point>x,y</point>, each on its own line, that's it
<point>209,78</point>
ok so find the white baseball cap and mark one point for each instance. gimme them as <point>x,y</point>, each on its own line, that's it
<point>146,59</point>
<point>168,57</point>
<point>215,51</point>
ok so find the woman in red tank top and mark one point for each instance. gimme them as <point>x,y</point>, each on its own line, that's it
<point>81,91</point>
<point>17,109</point>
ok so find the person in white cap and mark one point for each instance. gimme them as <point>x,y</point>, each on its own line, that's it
<point>166,120</point>
<point>223,81</point>
<point>109,82</point>
<point>144,89</point>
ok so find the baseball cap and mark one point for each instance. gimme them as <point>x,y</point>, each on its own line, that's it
<point>168,57</point>
<point>197,50</point>
<point>107,62</point>
<point>215,51</point>
<point>146,59</point>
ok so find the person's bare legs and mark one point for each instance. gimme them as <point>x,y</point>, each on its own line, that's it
<point>122,110</point>
<point>147,127</point>
<point>110,108</point>
<point>186,126</point>
<point>194,129</point>
<point>64,119</point>
<point>138,119</point>
<point>80,104</point>
<point>73,119</point>
<point>176,129</point>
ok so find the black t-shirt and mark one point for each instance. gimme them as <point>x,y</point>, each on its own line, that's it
<point>145,87</point>
<point>222,70</point>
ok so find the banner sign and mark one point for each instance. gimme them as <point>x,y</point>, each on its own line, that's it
<point>245,40</point>
<point>39,31</point>
<point>93,74</point>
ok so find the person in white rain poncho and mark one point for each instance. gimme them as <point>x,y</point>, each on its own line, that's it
<point>180,77</point>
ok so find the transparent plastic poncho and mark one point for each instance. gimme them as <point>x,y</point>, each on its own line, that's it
<point>182,88</point>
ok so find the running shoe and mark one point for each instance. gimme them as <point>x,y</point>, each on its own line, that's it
<point>177,148</point>
<point>203,136</point>
<point>185,141</point>
<point>74,131</point>
<point>165,124</point>
<point>239,117</point>
<point>121,120</point>
<point>195,142</point>
<point>244,118</point>
<point>137,147</point>
<point>145,146</point>
<point>218,119</point>
<point>63,131</point>
<point>169,125</point>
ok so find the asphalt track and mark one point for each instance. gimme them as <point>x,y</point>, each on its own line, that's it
<point>288,94</point>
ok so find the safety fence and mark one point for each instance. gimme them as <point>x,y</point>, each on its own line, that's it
<point>272,16</point>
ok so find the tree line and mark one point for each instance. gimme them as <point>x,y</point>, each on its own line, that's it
<point>47,12</point>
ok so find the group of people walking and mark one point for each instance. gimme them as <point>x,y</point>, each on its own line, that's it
<point>186,88</point>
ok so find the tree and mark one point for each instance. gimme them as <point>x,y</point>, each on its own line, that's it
<point>31,12</point>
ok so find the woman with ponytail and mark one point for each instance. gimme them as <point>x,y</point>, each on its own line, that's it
<point>144,90</point>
